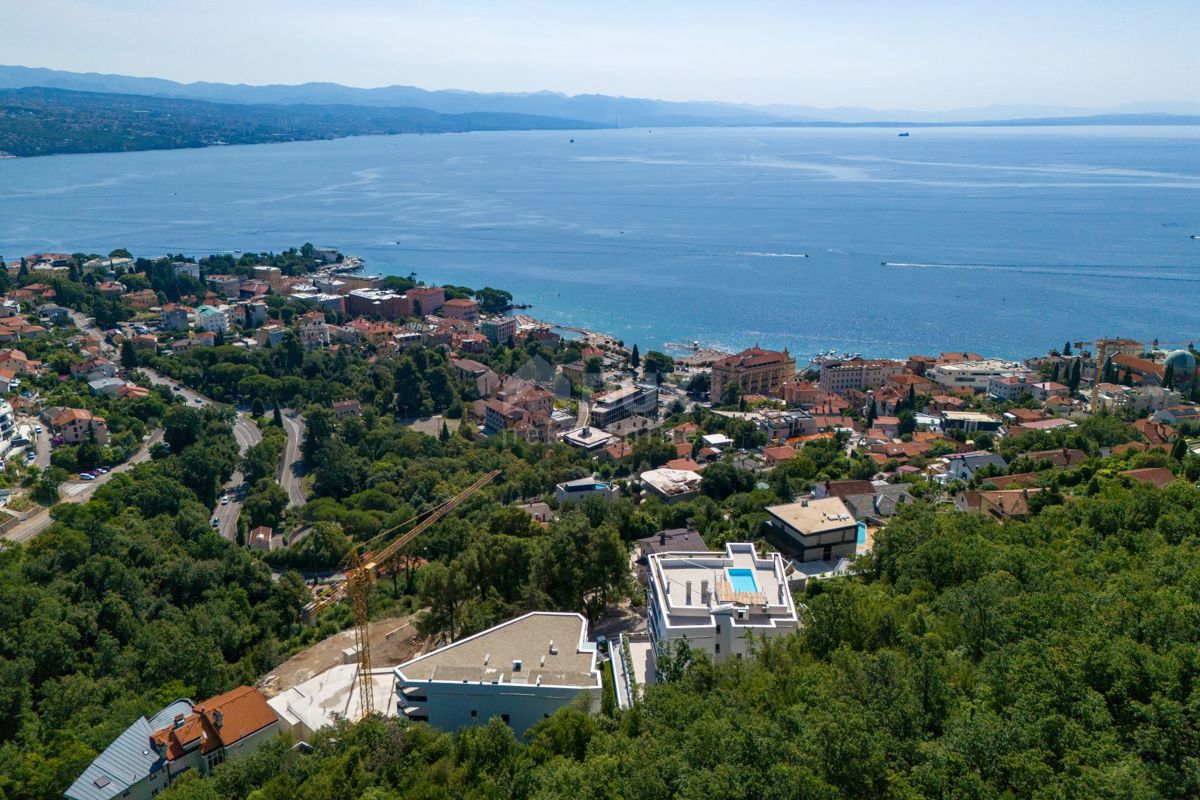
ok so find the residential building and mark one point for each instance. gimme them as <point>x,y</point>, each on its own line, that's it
<point>109,386</point>
<point>755,370</point>
<point>189,268</point>
<point>175,317</point>
<point>224,285</point>
<point>77,425</point>
<point>461,308</point>
<point>212,318</point>
<point>858,374</point>
<point>589,439</point>
<point>54,313</point>
<point>378,303</point>
<point>718,603</point>
<point>1173,415</point>
<point>260,539</point>
<point>1007,388</point>
<point>1158,476</point>
<point>151,754</point>
<point>499,330</point>
<point>1059,458</point>
<point>674,540</point>
<point>963,466</point>
<point>272,276</point>
<point>579,490</point>
<point>970,421</point>
<point>779,426</point>
<point>426,299</point>
<point>313,331</point>
<point>142,299</point>
<point>622,403</point>
<point>1112,347</point>
<point>1046,389</point>
<point>800,393</point>
<point>632,427</point>
<point>472,373</point>
<point>974,374</point>
<point>816,529</point>
<point>1140,370</point>
<point>521,671</point>
<point>269,335</point>
<point>672,485</point>
<point>346,408</point>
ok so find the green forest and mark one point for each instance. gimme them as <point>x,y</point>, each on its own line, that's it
<point>1051,658</point>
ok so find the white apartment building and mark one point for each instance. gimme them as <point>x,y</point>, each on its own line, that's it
<point>974,374</point>
<point>1008,388</point>
<point>521,671</point>
<point>717,601</point>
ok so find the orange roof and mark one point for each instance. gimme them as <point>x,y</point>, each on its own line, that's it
<point>779,453</point>
<point>1159,476</point>
<point>219,722</point>
<point>684,464</point>
<point>754,357</point>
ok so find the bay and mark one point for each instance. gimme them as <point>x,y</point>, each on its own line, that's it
<point>1005,241</point>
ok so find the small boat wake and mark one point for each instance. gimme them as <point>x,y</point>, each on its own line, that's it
<point>760,254</point>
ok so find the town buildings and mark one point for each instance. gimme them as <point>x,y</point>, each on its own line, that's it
<point>521,671</point>
<point>755,370</point>
<point>623,403</point>
<point>816,529</point>
<point>461,308</point>
<point>78,425</point>
<point>858,374</point>
<point>717,602</point>
<point>974,374</point>
<point>152,753</point>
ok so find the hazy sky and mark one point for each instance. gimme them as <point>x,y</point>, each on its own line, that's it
<point>919,54</point>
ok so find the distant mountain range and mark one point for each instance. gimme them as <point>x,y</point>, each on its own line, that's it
<point>37,122</point>
<point>44,112</point>
<point>597,108</point>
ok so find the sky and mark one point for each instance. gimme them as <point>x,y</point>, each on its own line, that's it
<point>918,54</point>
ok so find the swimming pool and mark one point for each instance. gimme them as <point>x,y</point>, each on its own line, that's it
<point>862,533</point>
<point>742,580</point>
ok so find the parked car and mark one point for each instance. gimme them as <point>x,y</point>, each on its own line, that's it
<point>225,500</point>
<point>102,470</point>
<point>216,523</point>
<point>86,476</point>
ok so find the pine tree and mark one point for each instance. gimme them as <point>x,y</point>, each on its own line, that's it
<point>1067,348</point>
<point>1180,450</point>
<point>635,358</point>
<point>277,415</point>
<point>912,397</point>
<point>1054,374</point>
<point>445,434</point>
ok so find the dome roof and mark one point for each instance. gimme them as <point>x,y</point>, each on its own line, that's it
<point>1183,361</point>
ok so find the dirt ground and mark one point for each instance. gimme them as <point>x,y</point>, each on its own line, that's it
<point>393,641</point>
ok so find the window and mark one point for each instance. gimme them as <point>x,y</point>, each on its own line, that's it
<point>718,628</point>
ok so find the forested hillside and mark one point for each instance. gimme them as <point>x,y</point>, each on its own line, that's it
<point>1051,658</point>
<point>38,122</point>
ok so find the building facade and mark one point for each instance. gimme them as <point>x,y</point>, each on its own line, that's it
<point>755,370</point>
<point>717,602</point>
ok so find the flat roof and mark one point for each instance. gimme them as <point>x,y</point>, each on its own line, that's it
<point>814,516</point>
<point>549,646</point>
<point>708,576</point>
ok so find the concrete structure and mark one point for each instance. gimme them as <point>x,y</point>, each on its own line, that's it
<point>963,466</point>
<point>175,317</point>
<point>318,702</point>
<point>378,303</point>
<point>672,485</point>
<point>225,285</point>
<point>974,375</point>
<point>1008,388</point>
<point>499,330</point>
<point>521,671</point>
<point>858,374</point>
<point>755,370</point>
<point>212,318</point>
<point>579,490</point>
<point>461,308</point>
<point>75,425</point>
<point>151,754</point>
<point>970,421</point>
<point>818,529</point>
<point>589,439</point>
<point>186,268</point>
<point>624,403</point>
<point>426,299</point>
<point>471,372</point>
<point>717,602</point>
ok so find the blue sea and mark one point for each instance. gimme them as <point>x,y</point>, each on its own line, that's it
<point>1005,241</point>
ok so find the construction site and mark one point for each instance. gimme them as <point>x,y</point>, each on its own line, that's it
<point>350,675</point>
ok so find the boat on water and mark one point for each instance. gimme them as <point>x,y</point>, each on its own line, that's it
<point>903,135</point>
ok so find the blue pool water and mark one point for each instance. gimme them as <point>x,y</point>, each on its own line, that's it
<point>862,533</point>
<point>742,580</point>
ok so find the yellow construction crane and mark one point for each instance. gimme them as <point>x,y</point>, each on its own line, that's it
<point>360,575</point>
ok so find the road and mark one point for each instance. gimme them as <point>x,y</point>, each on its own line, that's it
<point>247,435</point>
<point>77,491</point>
<point>585,414</point>
<point>289,471</point>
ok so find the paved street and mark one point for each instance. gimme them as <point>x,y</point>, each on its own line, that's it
<point>77,491</point>
<point>289,474</point>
